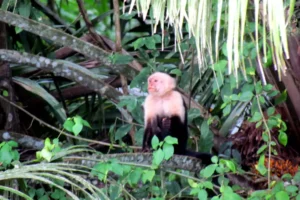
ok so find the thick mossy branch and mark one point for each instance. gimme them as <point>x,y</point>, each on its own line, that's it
<point>61,38</point>
<point>65,69</point>
<point>140,160</point>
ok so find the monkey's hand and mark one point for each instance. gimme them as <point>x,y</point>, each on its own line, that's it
<point>146,150</point>
<point>166,124</point>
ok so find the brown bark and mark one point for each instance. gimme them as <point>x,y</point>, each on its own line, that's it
<point>10,118</point>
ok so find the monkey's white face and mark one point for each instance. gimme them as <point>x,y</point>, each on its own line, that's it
<point>160,83</point>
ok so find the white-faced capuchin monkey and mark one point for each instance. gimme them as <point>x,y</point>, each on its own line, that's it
<point>165,114</point>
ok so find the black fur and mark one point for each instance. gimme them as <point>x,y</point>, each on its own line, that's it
<point>162,126</point>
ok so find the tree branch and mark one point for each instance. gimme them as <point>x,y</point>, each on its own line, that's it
<point>60,38</point>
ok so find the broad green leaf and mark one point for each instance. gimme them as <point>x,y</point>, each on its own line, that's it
<point>117,58</point>
<point>171,140</point>
<point>158,157</point>
<point>267,87</point>
<point>202,194</point>
<point>282,98</point>
<point>77,128</point>
<point>68,125</point>
<point>135,176</point>
<point>282,138</point>
<point>282,195</point>
<point>258,88</point>
<point>207,137</point>
<point>208,171</point>
<point>271,111</point>
<point>246,96</point>
<point>117,168</point>
<point>291,188</point>
<point>154,142</point>
<point>261,166</point>
<point>148,175</point>
<point>5,93</point>
<point>297,177</point>
<point>138,43</point>
<point>46,154</point>
<point>227,110</point>
<point>256,117</point>
<point>262,148</point>
<point>230,164</point>
<point>208,184</point>
<point>215,159</point>
<point>177,72</point>
<point>192,183</point>
<point>86,123</point>
<point>122,131</point>
<point>168,150</point>
<point>150,43</point>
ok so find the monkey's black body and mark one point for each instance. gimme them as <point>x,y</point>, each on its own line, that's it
<point>162,124</point>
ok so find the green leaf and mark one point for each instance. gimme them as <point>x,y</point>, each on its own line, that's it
<point>220,66</point>
<point>291,188</point>
<point>122,131</point>
<point>258,88</point>
<point>256,117</point>
<point>260,167</point>
<point>135,176</point>
<point>24,9</point>
<point>271,111</point>
<point>282,138</point>
<point>208,171</point>
<point>202,194</point>
<point>250,71</point>
<point>192,183</point>
<point>86,123</point>
<point>208,184</point>
<point>46,154</point>
<point>117,168</point>
<point>177,72</point>
<point>246,96</point>
<point>168,150</point>
<point>117,58</point>
<point>227,110</point>
<point>230,164</point>
<point>148,175</point>
<point>215,159</point>
<point>297,177</point>
<point>265,136</point>
<point>154,142</point>
<point>77,128</point>
<point>267,87</point>
<point>5,93</point>
<point>68,125</point>
<point>298,197</point>
<point>158,157</point>
<point>207,137</point>
<point>282,98</point>
<point>282,195</point>
<point>150,43</point>
<point>171,140</point>
<point>77,119</point>
<point>262,148</point>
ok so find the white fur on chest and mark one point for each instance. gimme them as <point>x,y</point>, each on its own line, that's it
<point>167,106</point>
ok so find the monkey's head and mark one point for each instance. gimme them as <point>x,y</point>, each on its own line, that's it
<point>160,84</point>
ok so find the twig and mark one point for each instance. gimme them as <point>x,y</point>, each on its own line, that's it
<point>90,25</point>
